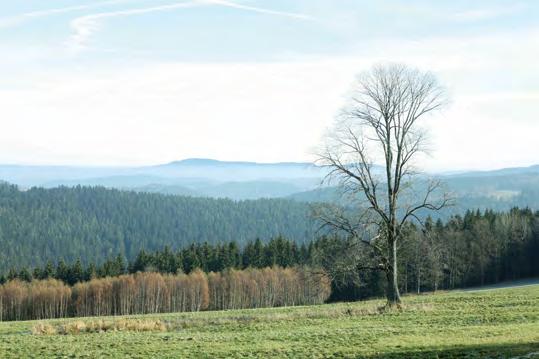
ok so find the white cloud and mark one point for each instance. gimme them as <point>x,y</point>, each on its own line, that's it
<point>245,111</point>
<point>177,110</point>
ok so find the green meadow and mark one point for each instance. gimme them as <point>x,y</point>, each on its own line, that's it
<point>500,323</point>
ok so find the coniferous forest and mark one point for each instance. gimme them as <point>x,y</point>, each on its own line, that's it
<point>96,223</point>
<point>475,249</point>
<point>78,244</point>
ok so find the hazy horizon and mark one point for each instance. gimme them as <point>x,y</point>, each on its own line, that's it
<point>138,82</point>
<point>97,165</point>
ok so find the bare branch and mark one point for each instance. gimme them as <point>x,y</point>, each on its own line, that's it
<point>381,124</point>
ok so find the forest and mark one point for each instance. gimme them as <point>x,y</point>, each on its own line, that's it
<point>475,249</point>
<point>95,223</point>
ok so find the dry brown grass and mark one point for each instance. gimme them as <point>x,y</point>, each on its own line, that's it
<point>43,329</point>
<point>72,327</point>
<point>100,326</point>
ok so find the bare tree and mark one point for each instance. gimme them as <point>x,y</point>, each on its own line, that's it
<point>370,154</point>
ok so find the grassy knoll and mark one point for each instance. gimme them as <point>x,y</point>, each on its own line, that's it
<point>498,323</point>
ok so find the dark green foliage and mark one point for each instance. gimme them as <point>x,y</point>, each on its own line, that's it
<point>112,267</point>
<point>97,223</point>
<point>25,275</point>
<point>472,250</point>
<point>76,273</point>
<point>62,272</point>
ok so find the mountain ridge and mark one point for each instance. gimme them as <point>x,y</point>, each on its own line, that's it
<point>206,177</point>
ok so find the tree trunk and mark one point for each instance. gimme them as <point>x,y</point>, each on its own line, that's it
<point>392,292</point>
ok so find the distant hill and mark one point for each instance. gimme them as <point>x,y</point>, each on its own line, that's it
<point>199,177</point>
<point>195,177</point>
<point>232,171</point>
<point>50,215</point>
<point>500,191</point>
<point>499,172</point>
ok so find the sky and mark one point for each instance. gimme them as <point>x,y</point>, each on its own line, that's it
<point>137,82</point>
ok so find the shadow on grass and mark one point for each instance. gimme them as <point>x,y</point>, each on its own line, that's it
<point>520,350</point>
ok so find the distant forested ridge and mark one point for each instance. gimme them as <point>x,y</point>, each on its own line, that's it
<point>94,223</point>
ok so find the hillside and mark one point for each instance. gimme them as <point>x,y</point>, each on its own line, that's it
<point>497,189</point>
<point>498,323</point>
<point>93,223</point>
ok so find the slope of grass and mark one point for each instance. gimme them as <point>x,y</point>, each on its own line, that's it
<point>499,323</point>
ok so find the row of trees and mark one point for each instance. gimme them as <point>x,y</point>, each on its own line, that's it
<point>141,293</point>
<point>472,250</point>
<point>36,300</point>
<point>476,249</point>
<point>268,287</point>
<point>207,257</point>
<point>151,292</point>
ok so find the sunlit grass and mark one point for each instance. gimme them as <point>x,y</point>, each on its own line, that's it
<point>498,323</point>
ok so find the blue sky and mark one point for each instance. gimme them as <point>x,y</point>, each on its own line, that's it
<point>149,81</point>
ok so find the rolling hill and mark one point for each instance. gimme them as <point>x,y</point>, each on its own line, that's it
<point>194,177</point>
<point>497,189</point>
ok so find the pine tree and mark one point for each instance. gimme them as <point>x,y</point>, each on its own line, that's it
<point>76,273</point>
<point>62,272</point>
<point>12,274</point>
<point>48,271</point>
<point>25,275</point>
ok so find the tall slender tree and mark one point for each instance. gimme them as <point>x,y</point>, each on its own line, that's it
<point>371,153</point>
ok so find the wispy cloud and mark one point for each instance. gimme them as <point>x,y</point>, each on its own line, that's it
<point>21,18</point>
<point>260,10</point>
<point>85,26</point>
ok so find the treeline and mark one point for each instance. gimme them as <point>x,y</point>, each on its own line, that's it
<point>39,224</point>
<point>471,250</point>
<point>151,292</point>
<point>475,249</point>
<point>206,257</point>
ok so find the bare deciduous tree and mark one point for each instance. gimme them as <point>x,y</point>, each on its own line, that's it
<point>370,154</point>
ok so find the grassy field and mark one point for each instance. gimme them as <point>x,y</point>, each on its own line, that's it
<point>501,323</point>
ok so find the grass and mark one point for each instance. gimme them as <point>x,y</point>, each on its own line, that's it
<point>501,323</point>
